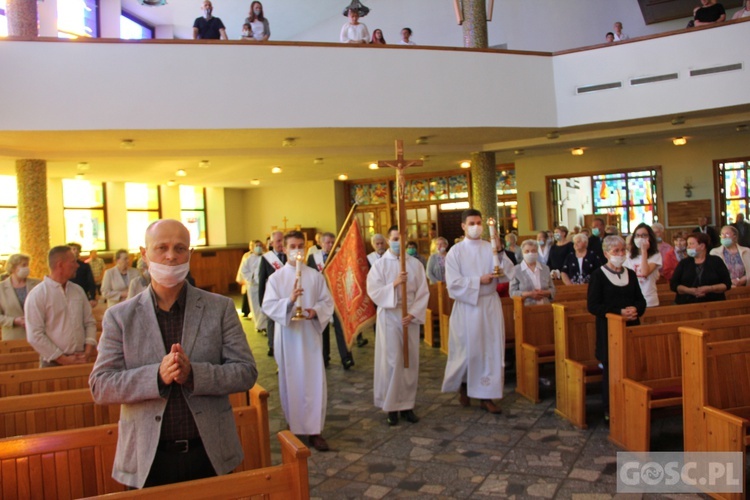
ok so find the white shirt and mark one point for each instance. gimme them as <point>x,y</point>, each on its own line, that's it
<point>354,33</point>
<point>58,321</point>
<point>406,43</point>
<point>621,37</point>
<point>647,283</point>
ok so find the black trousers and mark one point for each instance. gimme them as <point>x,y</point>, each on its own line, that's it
<point>340,342</point>
<point>171,467</point>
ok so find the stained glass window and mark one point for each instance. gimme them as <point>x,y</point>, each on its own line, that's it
<point>193,213</point>
<point>733,193</point>
<point>369,194</point>
<point>458,186</point>
<point>83,211</point>
<point>506,182</point>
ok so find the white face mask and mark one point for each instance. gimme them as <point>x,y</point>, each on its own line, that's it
<point>530,258</point>
<point>617,260</point>
<point>168,276</point>
<point>442,249</point>
<point>638,242</point>
<point>245,33</point>
<point>23,272</point>
<point>474,232</point>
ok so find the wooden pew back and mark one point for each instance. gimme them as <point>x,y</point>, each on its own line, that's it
<point>54,411</point>
<point>40,380</point>
<point>19,361</point>
<point>11,346</point>
<point>728,374</point>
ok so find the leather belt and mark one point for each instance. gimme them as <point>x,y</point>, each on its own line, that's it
<point>180,445</point>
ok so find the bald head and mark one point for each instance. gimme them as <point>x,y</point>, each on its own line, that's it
<point>167,228</point>
<point>277,241</point>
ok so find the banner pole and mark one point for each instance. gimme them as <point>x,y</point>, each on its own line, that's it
<point>334,253</point>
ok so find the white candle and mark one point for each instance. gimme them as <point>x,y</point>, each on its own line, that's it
<point>491,223</point>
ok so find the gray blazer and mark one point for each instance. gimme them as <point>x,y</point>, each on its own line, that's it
<point>521,282</point>
<point>126,371</point>
<point>10,309</point>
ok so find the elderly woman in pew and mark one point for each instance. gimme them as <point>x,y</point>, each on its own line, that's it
<point>614,289</point>
<point>579,265</point>
<point>559,249</point>
<point>736,257</point>
<point>436,262</point>
<point>700,277</point>
<point>13,292</point>
<point>531,279</point>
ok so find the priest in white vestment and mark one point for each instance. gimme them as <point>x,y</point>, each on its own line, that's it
<point>476,355</point>
<point>395,387</point>
<point>298,346</point>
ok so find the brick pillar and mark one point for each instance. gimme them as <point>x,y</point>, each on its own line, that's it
<point>33,220</point>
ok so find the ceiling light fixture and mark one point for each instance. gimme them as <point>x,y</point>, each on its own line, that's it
<point>679,141</point>
<point>620,141</point>
<point>373,166</point>
<point>80,176</point>
<point>204,164</point>
<point>425,158</point>
<point>465,164</point>
<point>171,183</point>
<point>288,142</point>
<point>741,128</point>
<point>255,182</point>
<point>422,140</point>
<point>343,177</point>
<point>276,170</point>
<point>553,135</point>
<point>679,120</point>
<point>83,166</point>
<point>181,173</point>
<point>577,152</point>
<point>318,161</point>
<point>127,144</point>
<point>519,152</point>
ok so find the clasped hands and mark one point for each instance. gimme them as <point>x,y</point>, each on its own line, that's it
<point>175,366</point>
<point>629,313</point>
<point>77,358</point>
<point>536,294</point>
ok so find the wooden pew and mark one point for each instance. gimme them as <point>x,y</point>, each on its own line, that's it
<point>645,367</point>
<point>40,380</point>
<point>288,480</point>
<point>19,361</point>
<point>697,391</point>
<point>720,374</point>
<point>576,365</point>
<point>78,463</point>
<point>54,411</point>
<point>255,436</point>
<point>11,346</point>
<point>535,343</point>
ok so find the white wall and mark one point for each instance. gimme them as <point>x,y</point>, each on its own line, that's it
<point>216,220</point>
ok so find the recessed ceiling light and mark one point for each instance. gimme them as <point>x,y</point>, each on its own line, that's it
<point>343,177</point>
<point>373,166</point>
<point>204,164</point>
<point>288,142</point>
<point>276,170</point>
<point>255,182</point>
<point>171,183</point>
<point>679,120</point>
<point>127,144</point>
<point>679,141</point>
<point>741,128</point>
<point>422,141</point>
<point>620,141</point>
<point>519,152</point>
<point>83,166</point>
<point>425,158</point>
<point>181,173</point>
<point>80,176</point>
<point>318,161</point>
<point>553,135</point>
<point>465,164</point>
<point>577,152</point>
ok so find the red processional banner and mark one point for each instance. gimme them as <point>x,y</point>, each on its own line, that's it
<point>346,274</point>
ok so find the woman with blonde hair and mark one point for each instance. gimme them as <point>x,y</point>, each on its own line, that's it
<point>13,292</point>
<point>736,257</point>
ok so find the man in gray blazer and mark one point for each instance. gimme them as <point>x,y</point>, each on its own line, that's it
<point>171,356</point>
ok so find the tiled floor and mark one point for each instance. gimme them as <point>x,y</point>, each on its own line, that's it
<point>453,452</point>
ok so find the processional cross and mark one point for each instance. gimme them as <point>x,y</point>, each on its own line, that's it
<point>400,165</point>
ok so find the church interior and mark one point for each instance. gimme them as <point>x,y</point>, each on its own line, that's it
<point>102,135</point>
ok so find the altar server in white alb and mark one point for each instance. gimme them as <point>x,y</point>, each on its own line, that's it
<point>476,358</point>
<point>298,346</point>
<point>395,387</point>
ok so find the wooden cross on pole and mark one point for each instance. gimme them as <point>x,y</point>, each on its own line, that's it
<point>400,165</point>
<point>285,220</point>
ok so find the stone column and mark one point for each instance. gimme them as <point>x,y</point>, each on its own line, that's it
<point>475,24</point>
<point>483,185</point>
<point>33,219</point>
<point>22,18</point>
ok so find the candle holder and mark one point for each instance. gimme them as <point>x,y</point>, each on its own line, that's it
<point>298,314</point>
<point>496,272</point>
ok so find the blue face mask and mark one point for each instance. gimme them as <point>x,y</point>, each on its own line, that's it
<point>692,252</point>
<point>395,247</point>
<point>595,231</point>
<point>411,251</point>
<point>726,242</point>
